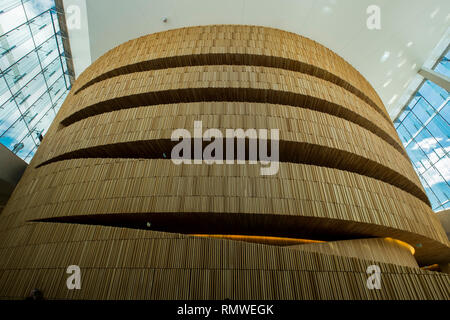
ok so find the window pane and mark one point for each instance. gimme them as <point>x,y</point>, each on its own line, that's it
<point>423,127</point>
<point>33,84</point>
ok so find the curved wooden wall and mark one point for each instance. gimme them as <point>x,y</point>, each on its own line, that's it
<point>122,263</point>
<point>103,171</point>
<point>375,249</point>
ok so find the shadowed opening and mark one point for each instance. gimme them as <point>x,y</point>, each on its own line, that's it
<point>230,95</point>
<point>233,59</point>
<point>289,151</point>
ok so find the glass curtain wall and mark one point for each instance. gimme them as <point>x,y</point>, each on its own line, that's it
<point>34,79</point>
<point>423,127</point>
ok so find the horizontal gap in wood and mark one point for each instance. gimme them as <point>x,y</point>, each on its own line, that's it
<point>289,151</point>
<point>233,59</point>
<point>274,225</point>
<point>230,95</point>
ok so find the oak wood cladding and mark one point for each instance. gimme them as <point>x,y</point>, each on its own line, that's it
<point>226,83</point>
<point>120,263</point>
<point>376,249</point>
<point>302,127</point>
<point>263,46</point>
<point>103,193</point>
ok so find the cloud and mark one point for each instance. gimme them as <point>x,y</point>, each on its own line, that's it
<point>41,5</point>
<point>441,173</point>
<point>427,144</point>
<point>443,166</point>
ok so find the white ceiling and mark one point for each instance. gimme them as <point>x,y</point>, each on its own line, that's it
<point>410,30</point>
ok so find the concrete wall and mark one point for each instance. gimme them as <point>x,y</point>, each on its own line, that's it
<point>12,168</point>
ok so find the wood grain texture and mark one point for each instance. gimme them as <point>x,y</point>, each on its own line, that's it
<point>102,192</point>
<point>376,249</point>
<point>226,83</point>
<point>299,127</point>
<point>227,45</point>
<point>120,263</point>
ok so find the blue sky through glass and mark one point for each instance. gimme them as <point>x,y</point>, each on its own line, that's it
<point>424,129</point>
<point>34,80</point>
